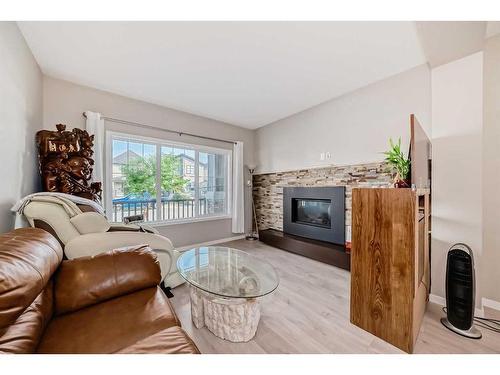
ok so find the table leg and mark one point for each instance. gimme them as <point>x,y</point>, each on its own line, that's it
<point>234,320</point>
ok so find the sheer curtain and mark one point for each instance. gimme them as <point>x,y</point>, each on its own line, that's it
<point>95,126</point>
<point>238,206</point>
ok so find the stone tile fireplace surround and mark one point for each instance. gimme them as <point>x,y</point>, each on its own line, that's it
<point>268,188</point>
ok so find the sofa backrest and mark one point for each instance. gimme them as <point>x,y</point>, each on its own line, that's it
<point>28,259</point>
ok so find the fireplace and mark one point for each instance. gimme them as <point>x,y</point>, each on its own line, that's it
<point>315,212</point>
<point>312,212</point>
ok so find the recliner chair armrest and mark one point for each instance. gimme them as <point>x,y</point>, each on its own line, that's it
<point>119,227</point>
<point>86,281</point>
<point>124,228</point>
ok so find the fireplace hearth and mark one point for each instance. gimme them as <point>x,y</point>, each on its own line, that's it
<point>315,212</point>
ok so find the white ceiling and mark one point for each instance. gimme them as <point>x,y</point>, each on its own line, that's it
<point>245,73</point>
<point>445,41</point>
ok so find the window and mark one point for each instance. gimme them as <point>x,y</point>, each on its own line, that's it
<point>165,181</point>
<point>189,169</point>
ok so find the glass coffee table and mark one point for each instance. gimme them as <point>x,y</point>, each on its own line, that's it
<point>225,285</point>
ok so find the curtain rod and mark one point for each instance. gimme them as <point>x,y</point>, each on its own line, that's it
<point>162,129</point>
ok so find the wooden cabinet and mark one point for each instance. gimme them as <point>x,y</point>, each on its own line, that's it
<point>390,268</point>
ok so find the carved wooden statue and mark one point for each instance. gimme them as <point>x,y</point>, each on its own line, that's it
<point>65,160</point>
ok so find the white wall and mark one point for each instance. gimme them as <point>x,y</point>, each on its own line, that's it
<point>354,128</point>
<point>457,120</point>
<point>20,119</point>
<point>64,102</point>
<point>490,262</point>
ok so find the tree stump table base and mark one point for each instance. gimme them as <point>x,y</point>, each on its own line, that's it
<point>232,319</point>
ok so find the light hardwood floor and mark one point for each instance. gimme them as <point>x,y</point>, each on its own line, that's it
<point>309,313</point>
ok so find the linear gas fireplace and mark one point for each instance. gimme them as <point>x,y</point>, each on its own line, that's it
<point>315,212</point>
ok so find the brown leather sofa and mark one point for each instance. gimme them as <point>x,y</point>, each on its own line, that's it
<point>109,303</point>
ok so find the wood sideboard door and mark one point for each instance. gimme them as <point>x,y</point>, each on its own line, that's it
<point>384,272</point>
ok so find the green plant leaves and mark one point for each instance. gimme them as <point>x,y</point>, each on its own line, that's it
<point>140,175</point>
<point>397,160</point>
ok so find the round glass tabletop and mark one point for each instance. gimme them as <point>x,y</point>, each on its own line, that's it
<point>227,272</point>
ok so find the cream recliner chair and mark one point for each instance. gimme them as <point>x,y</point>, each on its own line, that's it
<point>84,232</point>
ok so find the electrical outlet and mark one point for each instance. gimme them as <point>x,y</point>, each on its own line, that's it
<point>328,155</point>
<point>322,156</point>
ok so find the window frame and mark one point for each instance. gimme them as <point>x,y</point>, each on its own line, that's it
<point>159,142</point>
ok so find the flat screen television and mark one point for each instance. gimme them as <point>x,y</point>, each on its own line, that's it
<point>420,155</point>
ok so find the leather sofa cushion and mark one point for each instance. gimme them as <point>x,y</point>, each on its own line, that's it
<point>23,336</point>
<point>169,341</point>
<point>28,258</point>
<point>86,281</point>
<point>110,326</point>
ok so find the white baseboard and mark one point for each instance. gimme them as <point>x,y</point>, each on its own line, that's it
<point>441,301</point>
<point>210,243</point>
<point>492,304</point>
<point>438,300</point>
<point>485,302</point>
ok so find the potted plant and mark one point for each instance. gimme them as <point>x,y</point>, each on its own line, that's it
<point>399,163</point>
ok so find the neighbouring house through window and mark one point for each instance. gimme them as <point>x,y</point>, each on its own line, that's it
<point>165,181</point>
